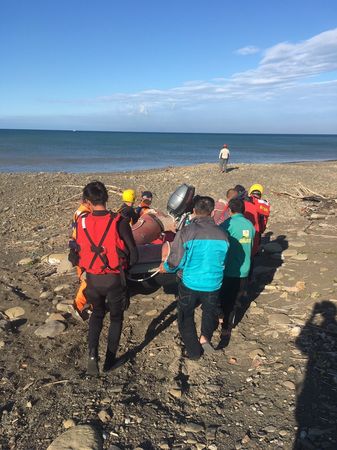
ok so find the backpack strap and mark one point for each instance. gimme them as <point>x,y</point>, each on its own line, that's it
<point>98,249</point>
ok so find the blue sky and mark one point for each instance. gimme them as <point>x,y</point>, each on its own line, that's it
<point>189,66</point>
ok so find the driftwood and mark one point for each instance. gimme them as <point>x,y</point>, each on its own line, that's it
<point>303,193</point>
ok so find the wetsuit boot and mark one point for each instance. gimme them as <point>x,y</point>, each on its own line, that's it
<point>110,359</point>
<point>92,368</point>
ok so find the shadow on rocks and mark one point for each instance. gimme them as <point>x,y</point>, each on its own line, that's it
<point>316,412</point>
<point>265,265</point>
<point>156,326</point>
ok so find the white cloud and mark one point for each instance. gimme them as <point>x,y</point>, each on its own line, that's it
<point>248,50</point>
<point>284,68</point>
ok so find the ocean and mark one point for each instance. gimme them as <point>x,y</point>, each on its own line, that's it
<point>91,151</point>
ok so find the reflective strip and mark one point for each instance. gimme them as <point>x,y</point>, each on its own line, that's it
<point>83,223</point>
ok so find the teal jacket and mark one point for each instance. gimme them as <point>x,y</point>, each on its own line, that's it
<point>241,234</point>
<point>198,254</point>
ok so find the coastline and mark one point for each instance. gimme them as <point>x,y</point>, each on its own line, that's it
<point>164,168</point>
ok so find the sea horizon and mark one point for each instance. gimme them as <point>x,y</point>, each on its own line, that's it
<point>32,150</point>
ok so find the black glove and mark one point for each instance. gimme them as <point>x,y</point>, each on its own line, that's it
<point>73,257</point>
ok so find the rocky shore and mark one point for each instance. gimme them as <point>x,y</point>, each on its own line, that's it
<point>273,387</point>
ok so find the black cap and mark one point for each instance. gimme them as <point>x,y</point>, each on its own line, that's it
<point>147,194</point>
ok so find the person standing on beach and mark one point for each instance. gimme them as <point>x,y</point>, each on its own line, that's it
<point>223,158</point>
<point>198,255</point>
<point>105,247</point>
<point>241,234</point>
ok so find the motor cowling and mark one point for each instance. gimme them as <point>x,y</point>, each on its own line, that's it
<point>181,201</point>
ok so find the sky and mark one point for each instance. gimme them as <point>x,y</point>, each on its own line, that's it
<point>243,66</point>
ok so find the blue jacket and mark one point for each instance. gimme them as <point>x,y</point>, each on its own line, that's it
<point>198,254</point>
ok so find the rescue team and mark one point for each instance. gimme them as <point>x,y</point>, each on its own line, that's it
<point>211,257</point>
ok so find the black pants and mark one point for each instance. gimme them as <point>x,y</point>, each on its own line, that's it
<point>231,292</point>
<point>188,300</point>
<point>105,293</point>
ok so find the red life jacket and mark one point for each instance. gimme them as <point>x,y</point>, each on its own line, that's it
<point>101,248</point>
<point>263,210</point>
<point>251,214</point>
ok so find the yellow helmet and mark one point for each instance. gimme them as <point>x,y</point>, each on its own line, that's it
<point>256,187</point>
<point>129,195</point>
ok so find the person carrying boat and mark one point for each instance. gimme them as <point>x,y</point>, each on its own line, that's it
<point>250,213</point>
<point>127,210</point>
<point>221,211</point>
<point>241,234</point>
<point>262,205</point>
<point>198,255</point>
<point>145,204</point>
<point>105,248</point>
<point>80,304</point>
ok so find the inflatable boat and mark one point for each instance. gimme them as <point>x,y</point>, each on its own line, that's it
<point>154,231</point>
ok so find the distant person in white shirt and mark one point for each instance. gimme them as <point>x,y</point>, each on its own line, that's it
<point>223,158</point>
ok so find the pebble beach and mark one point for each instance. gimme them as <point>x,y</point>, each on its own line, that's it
<point>275,383</point>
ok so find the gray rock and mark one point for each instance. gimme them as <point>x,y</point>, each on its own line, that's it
<point>60,260</point>
<point>256,311</point>
<point>295,331</point>
<point>55,316</point>
<point>279,320</point>
<point>69,423</point>
<point>278,275</point>
<point>61,287</point>
<point>270,429</point>
<point>316,216</point>
<point>47,295</point>
<point>192,427</point>
<point>290,385</point>
<point>50,329</point>
<point>104,416</point>
<point>257,352</point>
<point>283,433</point>
<point>289,253</point>
<point>152,313</point>
<point>81,437</point>
<point>64,307</point>
<point>26,261</point>
<point>297,244</point>
<point>15,312</point>
<point>175,392</point>
<point>300,257</point>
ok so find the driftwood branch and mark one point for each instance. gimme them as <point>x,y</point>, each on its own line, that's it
<point>303,193</point>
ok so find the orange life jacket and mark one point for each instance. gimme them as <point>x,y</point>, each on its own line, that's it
<point>102,250</point>
<point>82,209</point>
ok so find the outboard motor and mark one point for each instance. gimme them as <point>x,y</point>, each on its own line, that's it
<point>180,203</point>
